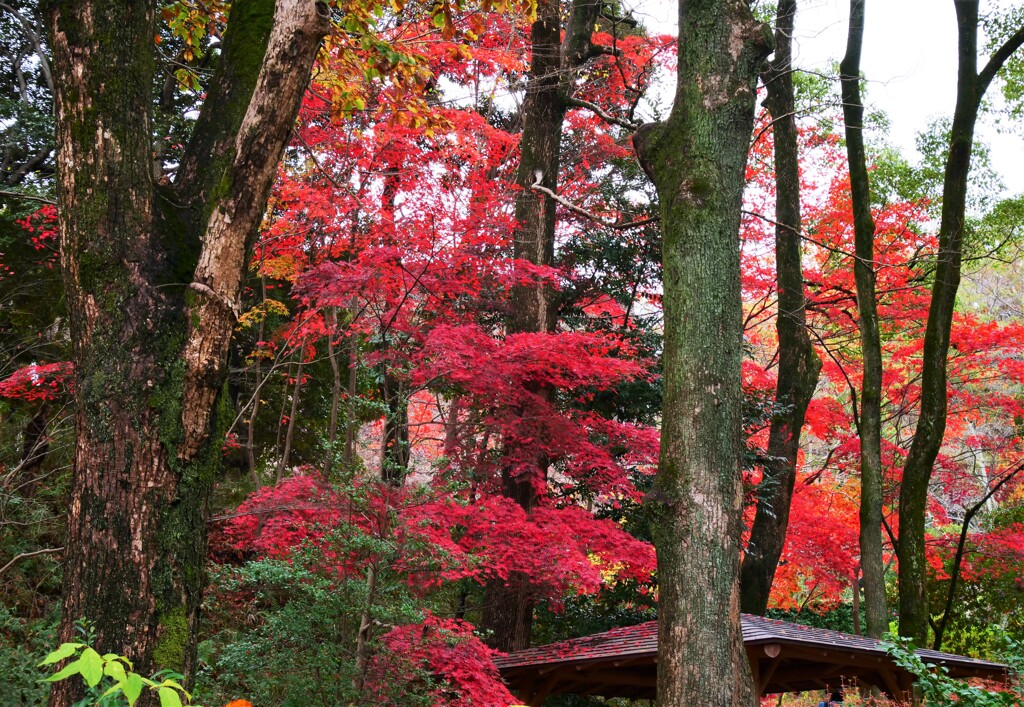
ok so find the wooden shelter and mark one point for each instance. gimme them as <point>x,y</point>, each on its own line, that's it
<point>784,657</point>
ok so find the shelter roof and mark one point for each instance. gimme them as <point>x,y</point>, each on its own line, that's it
<point>784,657</point>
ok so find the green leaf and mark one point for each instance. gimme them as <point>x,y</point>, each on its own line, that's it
<point>113,689</point>
<point>66,650</point>
<point>169,697</point>
<point>115,670</point>
<point>92,667</point>
<point>173,684</point>
<point>132,688</point>
<point>73,668</point>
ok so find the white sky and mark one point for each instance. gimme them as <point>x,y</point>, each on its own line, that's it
<point>909,61</point>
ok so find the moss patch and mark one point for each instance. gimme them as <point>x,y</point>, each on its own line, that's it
<point>172,641</point>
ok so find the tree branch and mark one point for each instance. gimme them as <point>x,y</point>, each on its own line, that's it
<point>996,61</point>
<point>536,186</point>
<point>961,548</point>
<point>601,113</point>
<point>33,35</point>
<point>27,197</point>
<point>26,555</point>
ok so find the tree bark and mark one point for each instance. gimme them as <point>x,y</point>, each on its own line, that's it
<point>332,428</point>
<point>697,161</point>
<point>799,365</point>
<point>508,605</point>
<point>870,420</point>
<point>394,453</point>
<point>150,353</point>
<point>931,422</point>
<point>293,414</point>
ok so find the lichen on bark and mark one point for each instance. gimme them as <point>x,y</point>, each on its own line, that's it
<point>696,160</point>
<point>148,444</point>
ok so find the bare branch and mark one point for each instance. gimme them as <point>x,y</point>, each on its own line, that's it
<point>26,555</point>
<point>602,113</point>
<point>580,211</point>
<point>27,197</point>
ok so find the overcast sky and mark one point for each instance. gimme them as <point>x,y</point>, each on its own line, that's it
<point>909,61</point>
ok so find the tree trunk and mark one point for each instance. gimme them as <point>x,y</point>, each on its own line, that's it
<point>394,453</point>
<point>150,353</point>
<point>931,422</point>
<point>293,414</point>
<point>508,605</point>
<point>332,428</point>
<point>870,421</point>
<point>799,365</point>
<point>697,161</point>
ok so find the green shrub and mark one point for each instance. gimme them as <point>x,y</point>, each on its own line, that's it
<point>941,690</point>
<point>23,644</point>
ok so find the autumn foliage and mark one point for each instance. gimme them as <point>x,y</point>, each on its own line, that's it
<point>376,303</point>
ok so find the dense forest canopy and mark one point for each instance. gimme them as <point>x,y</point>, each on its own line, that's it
<point>346,345</point>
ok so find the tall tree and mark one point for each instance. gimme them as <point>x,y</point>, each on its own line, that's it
<point>799,365</point>
<point>26,138</point>
<point>869,423</point>
<point>152,274</point>
<point>696,160</point>
<point>508,606</point>
<point>931,423</point>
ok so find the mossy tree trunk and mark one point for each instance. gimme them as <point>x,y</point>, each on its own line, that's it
<point>869,421</point>
<point>697,161</point>
<point>153,276</point>
<point>799,365</point>
<point>931,422</point>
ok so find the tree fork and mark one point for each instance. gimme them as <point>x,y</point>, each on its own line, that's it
<point>799,364</point>
<point>150,352</point>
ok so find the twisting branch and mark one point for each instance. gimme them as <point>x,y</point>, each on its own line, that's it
<point>580,211</point>
<point>34,36</point>
<point>602,113</point>
<point>961,548</point>
<point>998,59</point>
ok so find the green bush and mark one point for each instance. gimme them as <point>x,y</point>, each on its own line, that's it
<point>23,644</point>
<point>941,690</point>
<point>285,631</point>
